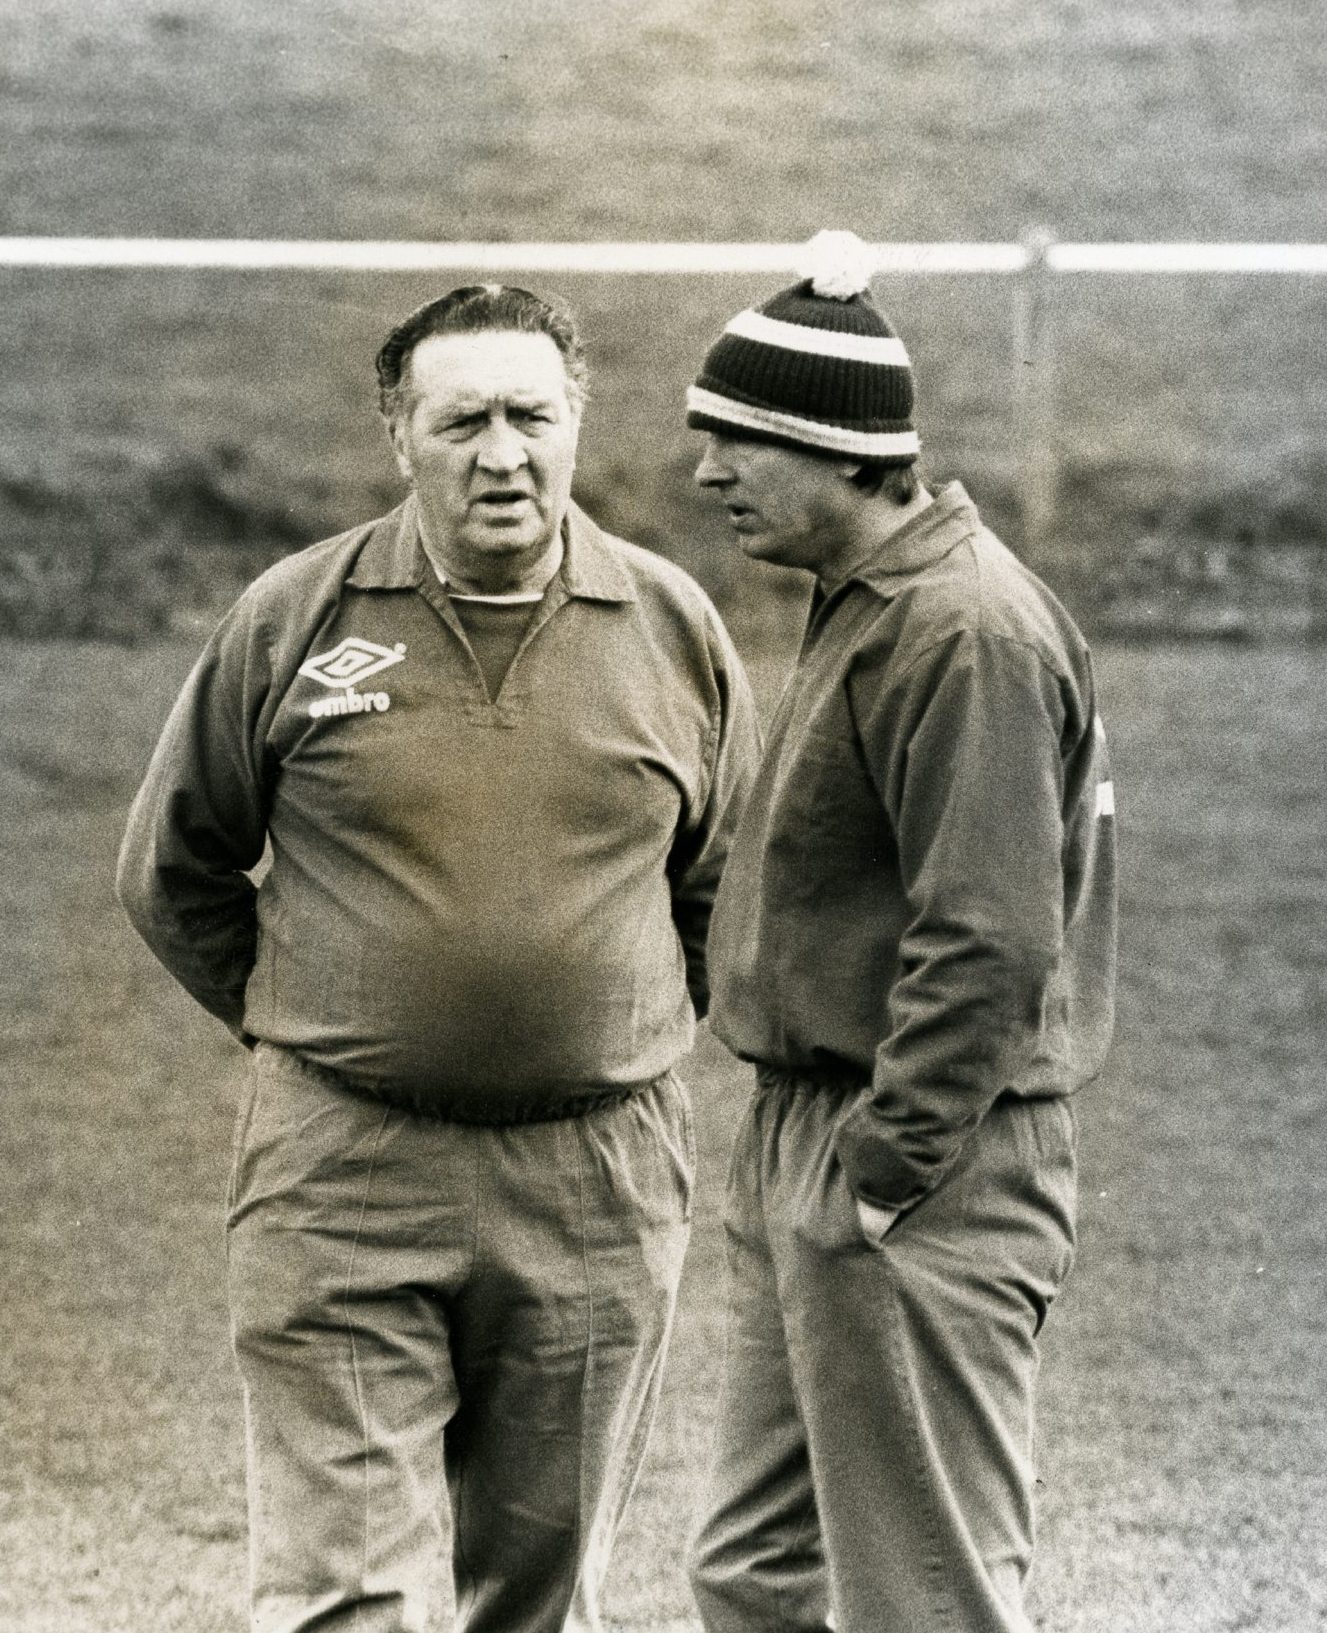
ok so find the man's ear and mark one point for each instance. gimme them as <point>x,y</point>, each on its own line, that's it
<point>399,449</point>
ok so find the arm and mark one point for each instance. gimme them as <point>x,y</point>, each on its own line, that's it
<point>698,855</point>
<point>966,756</point>
<point>199,821</point>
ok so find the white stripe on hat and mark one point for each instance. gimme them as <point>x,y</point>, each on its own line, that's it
<point>1105,799</point>
<point>800,337</point>
<point>836,439</point>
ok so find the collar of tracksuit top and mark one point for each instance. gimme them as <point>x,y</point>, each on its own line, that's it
<point>927,538</point>
<point>393,558</point>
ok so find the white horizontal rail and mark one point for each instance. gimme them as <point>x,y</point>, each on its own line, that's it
<point>1187,258</point>
<point>331,255</point>
<point>386,256</point>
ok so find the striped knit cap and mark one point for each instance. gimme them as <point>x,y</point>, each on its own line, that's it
<point>816,367</point>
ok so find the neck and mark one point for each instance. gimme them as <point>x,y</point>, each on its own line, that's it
<point>874,525</point>
<point>500,575</point>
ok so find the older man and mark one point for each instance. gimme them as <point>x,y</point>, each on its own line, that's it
<point>496,755</point>
<point>914,942</point>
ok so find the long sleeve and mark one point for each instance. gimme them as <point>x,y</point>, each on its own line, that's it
<point>965,752</point>
<point>199,821</point>
<point>698,857</point>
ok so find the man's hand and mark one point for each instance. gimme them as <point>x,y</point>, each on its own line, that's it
<point>875,1221</point>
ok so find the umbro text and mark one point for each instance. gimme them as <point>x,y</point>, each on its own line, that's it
<point>349,702</point>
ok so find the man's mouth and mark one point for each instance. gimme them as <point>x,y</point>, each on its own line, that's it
<point>739,515</point>
<point>499,499</point>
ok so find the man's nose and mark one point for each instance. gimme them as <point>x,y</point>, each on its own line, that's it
<point>500,446</point>
<point>712,472</point>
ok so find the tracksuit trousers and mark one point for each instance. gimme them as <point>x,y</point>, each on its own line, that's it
<point>873,1459</point>
<point>451,1339</point>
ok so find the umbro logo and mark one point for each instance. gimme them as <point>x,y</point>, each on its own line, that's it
<point>349,661</point>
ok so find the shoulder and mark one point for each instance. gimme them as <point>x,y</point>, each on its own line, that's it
<point>982,598</point>
<point>264,634</point>
<point>658,578</point>
<point>295,594</point>
<point>670,634</point>
<point>972,618</point>
<point>323,566</point>
<point>661,591</point>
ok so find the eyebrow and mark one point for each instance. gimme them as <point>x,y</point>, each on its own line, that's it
<point>515,399</point>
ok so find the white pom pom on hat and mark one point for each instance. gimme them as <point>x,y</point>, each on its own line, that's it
<point>837,264</point>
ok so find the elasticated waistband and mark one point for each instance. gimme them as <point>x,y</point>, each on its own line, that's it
<point>578,1101</point>
<point>777,1078</point>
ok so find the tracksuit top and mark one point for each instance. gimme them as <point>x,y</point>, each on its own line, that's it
<point>920,897</point>
<point>484,908</point>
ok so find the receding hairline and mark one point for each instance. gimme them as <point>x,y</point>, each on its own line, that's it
<point>480,309</point>
<point>404,393</point>
<point>446,336</point>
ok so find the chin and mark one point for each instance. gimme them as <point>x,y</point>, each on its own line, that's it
<point>516,543</point>
<point>759,546</point>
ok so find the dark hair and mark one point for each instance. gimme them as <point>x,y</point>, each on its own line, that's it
<point>901,483</point>
<point>472,310</point>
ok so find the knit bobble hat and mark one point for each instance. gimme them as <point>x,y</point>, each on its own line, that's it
<point>815,367</point>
